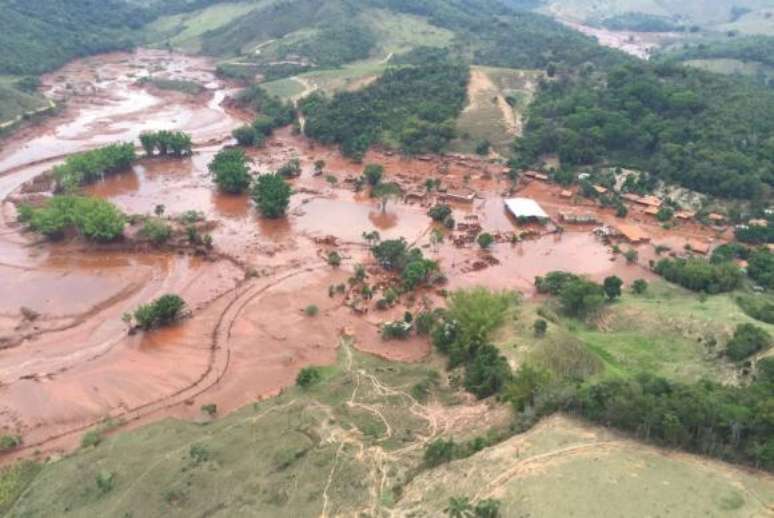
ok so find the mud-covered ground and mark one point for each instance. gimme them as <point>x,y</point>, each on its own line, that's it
<point>66,359</point>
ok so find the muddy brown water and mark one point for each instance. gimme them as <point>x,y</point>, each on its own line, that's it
<point>67,361</point>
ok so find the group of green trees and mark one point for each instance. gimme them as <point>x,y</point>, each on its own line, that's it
<point>332,44</point>
<point>700,275</point>
<point>396,255</point>
<point>703,131</point>
<point>175,143</point>
<point>580,297</point>
<point>760,261</point>
<point>272,114</point>
<point>733,423</point>
<point>270,192</point>
<point>414,107</point>
<point>94,218</point>
<point>639,22</point>
<point>88,167</point>
<point>463,335</point>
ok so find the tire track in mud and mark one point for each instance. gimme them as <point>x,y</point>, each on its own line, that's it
<point>217,366</point>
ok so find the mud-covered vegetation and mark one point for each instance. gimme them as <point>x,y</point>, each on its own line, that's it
<point>84,168</point>
<point>93,218</point>
<point>165,143</point>
<point>684,126</point>
<point>161,312</point>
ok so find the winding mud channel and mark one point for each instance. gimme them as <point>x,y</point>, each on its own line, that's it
<point>67,362</point>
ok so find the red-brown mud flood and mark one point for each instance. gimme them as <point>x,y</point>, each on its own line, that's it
<point>67,361</point>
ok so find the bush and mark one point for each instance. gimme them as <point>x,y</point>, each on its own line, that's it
<point>9,442</point>
<point>748,339</point>
<point>487,373</point>
<point>245,136</point>
<point>334,259</point>
<point>157,231</point>
<point>540,326</point>
<point>272,195</point>
<point>554,282</point>
<point>485,240</point>
<point>397,330</point>
<point>232,174</point>
<point>105,481</point>
<point>84,168</point>
<point>700,275</point>
<point>211,409</point>
<point>199,453</point>
<point>757,307</point>
<point>166,142</point>
<point>163,311</point>
<point>91,438</point>
<point>439,452</point>
<point>290,169</point>
<point>612,286</point>
<point>439,213</point>
<point>309,376</point>
<point>640,286</point>
<point>311,310</point>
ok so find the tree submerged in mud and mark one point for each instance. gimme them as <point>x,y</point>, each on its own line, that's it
<point>163,311</point>
<point>271,194</point>
<point>166,143</point>
<point>232,175</point>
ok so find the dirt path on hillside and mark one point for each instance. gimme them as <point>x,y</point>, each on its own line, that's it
<point>481,89</point>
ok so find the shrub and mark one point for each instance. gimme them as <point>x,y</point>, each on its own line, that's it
<point>640,286</point>
<point>9,442</point>
<point>485,240</point>
<point>664,214</point>
<point>90,166</point>
<point>245,136</point>
<point>105,481</point>
<point>232,174</point>
<point>748,339</point>
<point>334,259</point>
<point>163,311</point>
<point>540,326</point>
<point>700,275</point>
<point>166,142</point>
<point>311,310</point>
<point>309,376</point>
<point>487,373</point>
<point>211,409</point>
<point>91,438</point>
<point>373,174</point>
<point>199,453</point>
<point>612,286</point>
<point>581,297</point>
<point>272,195</point>
<point>290,169</point>
<point>554,282</point>
<point>439,452</point>
<point>439,212</point>
<point>157,231</point>
<point>397,330</point>
<point>757,307</point>
<point>631,256</point>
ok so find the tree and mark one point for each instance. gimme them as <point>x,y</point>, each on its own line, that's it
<point>485,240</point>
<point>319,166</point>
<point>540,326</point>
<point>232,175</point>
<point>373,174</point>
<point>245,135</point>
<point>386,192</point>
<point>612,286</point>
<point>487,373</point>
<point>439,212</point>
<point>664,214</point>
<point>163,311</point>
<point>483,147</point>
<point>581,297</point>
<point>271,194</point>
<point>391,254</point>
<point>309,376</point>
<point>459,507</point>
<point>290,169</point>
<point>631,256</point>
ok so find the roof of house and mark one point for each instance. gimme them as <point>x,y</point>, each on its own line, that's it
<point>600,189</point>
<point>566,194</point>
<point>652,211</point>
<point>525,208</point>
<point>716,217</point>
<point>699,247</point>
<point>758,223</point>
<point>685,214</point>
<point>632,232</point>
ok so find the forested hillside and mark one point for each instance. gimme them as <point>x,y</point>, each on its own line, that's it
<point>707,132</point>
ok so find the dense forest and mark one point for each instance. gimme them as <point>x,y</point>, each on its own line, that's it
<point>703,131</point>
<point>39,35</point>
<point>413,107</point>
<point>639,22</point>
<point>759,49</point>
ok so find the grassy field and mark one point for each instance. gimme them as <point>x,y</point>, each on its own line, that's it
<point>397,33</point>
<point>667,331</point>
<point>336,448</point>
<point>348,77</point>
<point>497,98</point>
<point>183,31</point>
<point>563,467</point>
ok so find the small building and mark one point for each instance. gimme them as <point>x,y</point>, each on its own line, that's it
<point>632,233</point>
<point>685,215</point>
<point>758,223</point>
<point>566,194</point>
<point>647,201</point>
<point>578,218</point>
<point>526,209</point>
<point>700,247</point>
<point>600,189</point>
<point>460,196</point>
<point>537,176</point>
<point>716,218</point>
<point>652,211</point>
